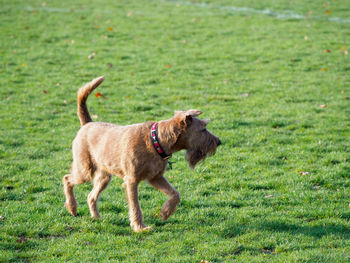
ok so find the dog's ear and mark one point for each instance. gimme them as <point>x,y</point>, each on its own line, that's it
<point>206,121</point>
<point>185,118</point>
<point>193,113</point>
<point>177,112</point>
<point>182,119</point>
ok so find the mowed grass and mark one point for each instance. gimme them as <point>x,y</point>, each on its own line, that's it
<point>277,91</point>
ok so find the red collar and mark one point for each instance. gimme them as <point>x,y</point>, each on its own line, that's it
<point>155,142</point>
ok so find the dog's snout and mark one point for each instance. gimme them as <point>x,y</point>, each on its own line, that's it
<point>219,142</point>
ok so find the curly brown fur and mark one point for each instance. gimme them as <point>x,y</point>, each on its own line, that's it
<point>101,150</point>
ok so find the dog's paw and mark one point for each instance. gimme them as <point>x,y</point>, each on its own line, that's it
<point>169,207</point>
<point>141,228</point>
<point>95,214</point>
<point>72,209</point>
<point>165,214</point>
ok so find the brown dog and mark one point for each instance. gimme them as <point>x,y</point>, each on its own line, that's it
<point>134,152</point>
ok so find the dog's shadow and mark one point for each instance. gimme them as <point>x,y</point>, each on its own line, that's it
<point>317,231</point>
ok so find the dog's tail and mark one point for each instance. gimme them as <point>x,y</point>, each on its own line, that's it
<point>83,94</point>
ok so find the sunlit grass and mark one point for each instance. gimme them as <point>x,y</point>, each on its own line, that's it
<point>276,191</point>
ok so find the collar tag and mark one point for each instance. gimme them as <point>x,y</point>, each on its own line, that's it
<point>170,165</point>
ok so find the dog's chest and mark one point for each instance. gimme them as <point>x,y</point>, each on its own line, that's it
<point>152,170</point>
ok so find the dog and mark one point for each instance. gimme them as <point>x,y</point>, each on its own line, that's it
<point>135,153</point>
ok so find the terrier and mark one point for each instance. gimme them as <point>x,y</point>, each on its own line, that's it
<point>134,153</point>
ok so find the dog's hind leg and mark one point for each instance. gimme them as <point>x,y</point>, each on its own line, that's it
<point>162,184</point>
<point>71,203</point>
<point>101,181</point>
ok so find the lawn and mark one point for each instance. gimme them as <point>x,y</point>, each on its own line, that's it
<point>274,78</point>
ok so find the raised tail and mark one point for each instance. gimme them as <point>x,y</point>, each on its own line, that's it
<point>83,94</point>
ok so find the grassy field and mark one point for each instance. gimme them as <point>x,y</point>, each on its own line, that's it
<point>273,76</point>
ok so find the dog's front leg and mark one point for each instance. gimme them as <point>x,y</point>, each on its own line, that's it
<point>135,213</point>
<point>162,184</point>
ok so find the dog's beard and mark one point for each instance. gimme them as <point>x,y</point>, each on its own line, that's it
<point>194,156</point>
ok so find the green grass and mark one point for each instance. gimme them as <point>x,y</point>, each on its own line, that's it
<point>259,78</point>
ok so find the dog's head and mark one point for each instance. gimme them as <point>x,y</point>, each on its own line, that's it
<point>193,135</point>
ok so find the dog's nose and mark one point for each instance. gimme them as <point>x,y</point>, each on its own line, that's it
<point>219,143</point>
